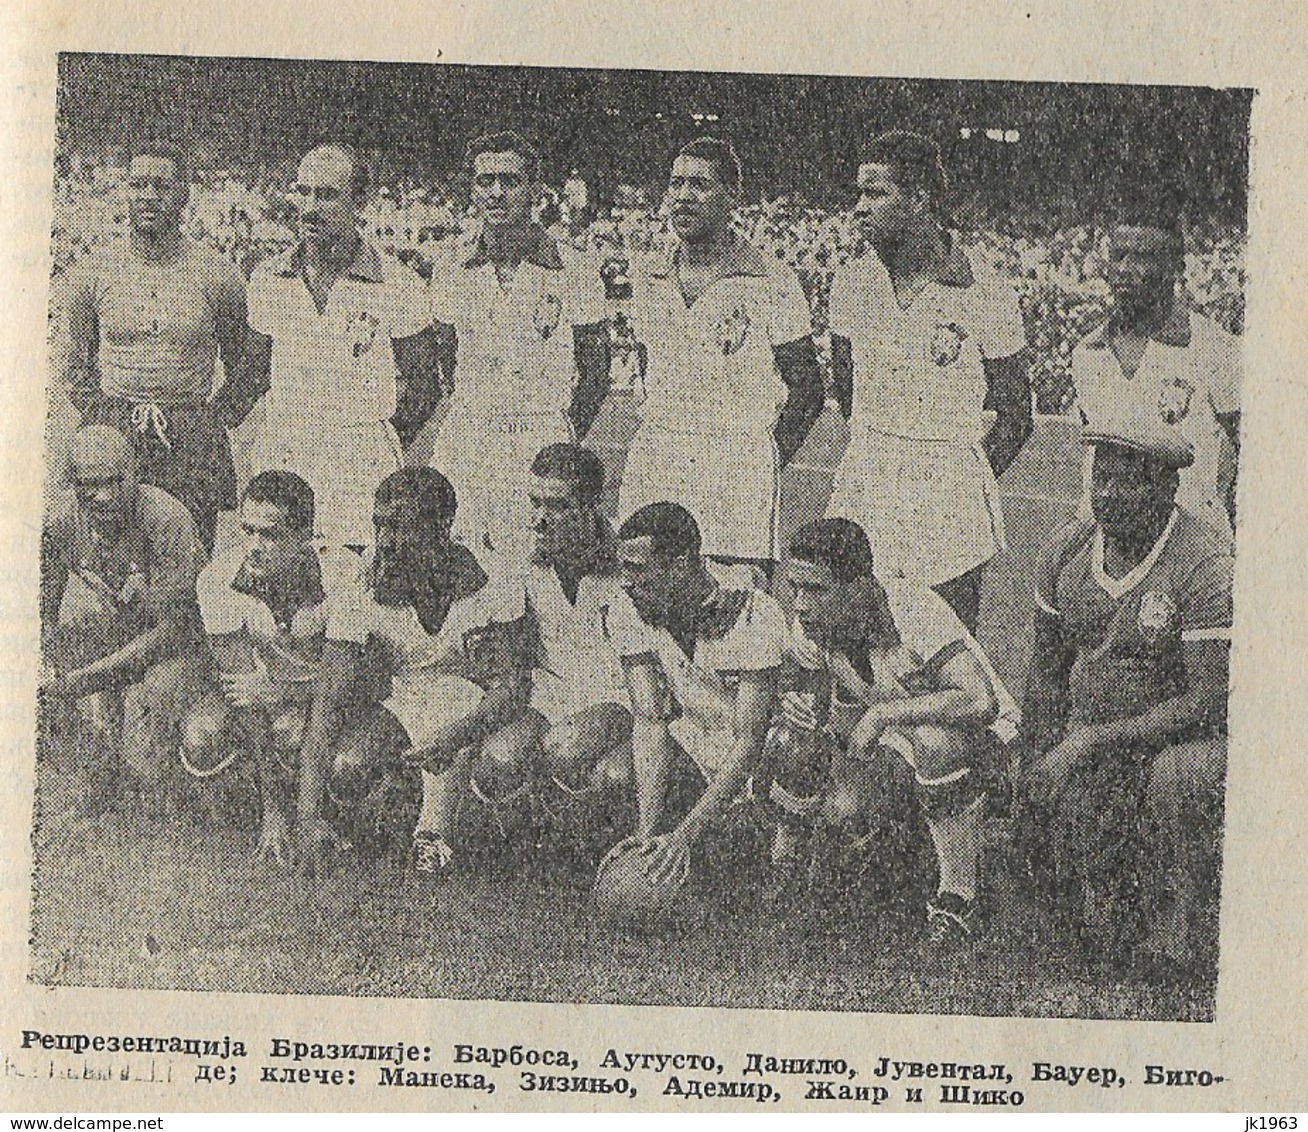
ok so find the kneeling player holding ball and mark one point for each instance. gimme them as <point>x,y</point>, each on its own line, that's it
<point>909,688</point>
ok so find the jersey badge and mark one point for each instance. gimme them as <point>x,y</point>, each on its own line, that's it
<point>546,316</point>
<point>1174,400</point>
<point>1157,615</point>
<point>947,343</point>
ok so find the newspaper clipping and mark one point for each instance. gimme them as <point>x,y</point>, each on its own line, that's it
<point>575,571</point>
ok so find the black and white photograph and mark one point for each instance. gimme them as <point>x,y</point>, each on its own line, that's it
<point>642,537</point>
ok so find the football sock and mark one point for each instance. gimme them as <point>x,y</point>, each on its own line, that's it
<point>957,838</point>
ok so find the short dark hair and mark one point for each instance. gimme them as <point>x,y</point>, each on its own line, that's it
<point>287,491</point>
<point>723,156</point>
<point>839,544</point>
<point>670,528</point>
<point>578,467</point>
<point>505,141</point>
<point>1158,209</point>
<point>360,174</point>
<point>914,162</point>
<point>169,151</point>
<point>431,492</point>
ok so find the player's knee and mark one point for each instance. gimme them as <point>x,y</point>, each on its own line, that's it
<point>940,751</point>
<point>201,731</point>
<point>945,797</point>
<point>614,772</point>
<point>351,769</point>
<point>842,806</point>
<point>1185,775</point>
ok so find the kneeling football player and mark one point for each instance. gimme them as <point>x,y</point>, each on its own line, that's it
<point>701,662</point>
<point>574,742</point>
<point>425,615</point>
<point>914,690</point>
<point>264,608</point>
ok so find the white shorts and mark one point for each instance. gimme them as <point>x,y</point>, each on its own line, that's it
<point>932,509</point>
<point>427,701</point>
<point>729,483</point>
<point>343,466</point>
<point>710,751</point>
<point>558,699</point>
<point>487,456</point>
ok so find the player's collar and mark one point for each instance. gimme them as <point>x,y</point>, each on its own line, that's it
<point>719,611</point>
<point>541,250</point>
<point>1118,588</point>
<point>366,265</point>
<point>739,258</point>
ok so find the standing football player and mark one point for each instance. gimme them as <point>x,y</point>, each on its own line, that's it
<point>523,340</point>
<point>341,338</point>
<point>732,379</point>
<point>1155,353</point>
<point>924,338</point>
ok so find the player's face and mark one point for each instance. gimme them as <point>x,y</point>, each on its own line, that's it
<point>700,204</point>
<point>1142,267</point>
<point>1130,495</point>
<point>400,537</point>
<point>272,545</point>
<point>884,209</point>
<point>564,526</point>
<point>155,195</point>
<point>324,203</point>
<point>649,579</point>
<point>812,586</point>
<point>105,489</point>
<point>501,189</point>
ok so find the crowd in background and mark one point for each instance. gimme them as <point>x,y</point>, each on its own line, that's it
<point>1058,273</point>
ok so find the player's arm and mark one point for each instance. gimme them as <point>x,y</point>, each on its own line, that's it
<point>842,373</point>
<point>55,571</point>
<point>342,663</point>
<point>964,697</point>
<point>232,401</point>
<point>81,377</point>
<point>756,696</point>
<point>1047,700</point>
<point>248,380</point>
<point>1008,394</point>
<point>652,744</point>
<point>447,354</point>
<point>1230,423</point>
<point>593,356</point>
<point>418,385</point>
<point>797,363</point>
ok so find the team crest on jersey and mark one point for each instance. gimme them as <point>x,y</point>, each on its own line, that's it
<point>947,343</point>
<point>731,330</point>
<point>1174,400</point>
<point>546,316</point>
<point>1157,616</point>
<point>362,333</point>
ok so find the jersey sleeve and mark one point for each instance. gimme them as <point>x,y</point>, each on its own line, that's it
<point>219,611</point>
<point>625,631</point>
<point>1206,610</point>
<point>349,613</point>
<point>789,318</point>
<point>842,305</point>
<point>442,288</point>
<point>1051,562</point>
<point>1000,330</point>
<point>410,310</point>
<point>261,305</point>
<point>759,639</point>
<point>1225,371</point>
<point>586,301</point>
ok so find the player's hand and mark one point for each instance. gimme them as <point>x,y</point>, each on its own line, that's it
<point>798,710</point>
<point>866,736</point>
<point>274,846</point>
<point>253,689</point>
<point>669,858</point>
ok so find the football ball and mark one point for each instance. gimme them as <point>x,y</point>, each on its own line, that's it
<point>626,896</point>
